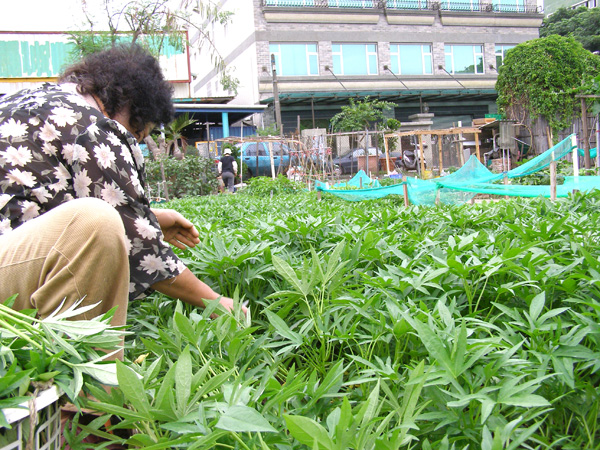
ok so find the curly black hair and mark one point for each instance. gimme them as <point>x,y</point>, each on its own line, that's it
<point>125,77</point>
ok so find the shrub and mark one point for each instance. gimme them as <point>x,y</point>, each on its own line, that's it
<point>191,175</point>
<point>262,186</point>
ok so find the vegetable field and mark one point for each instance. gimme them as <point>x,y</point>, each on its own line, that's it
<point>373,326</point>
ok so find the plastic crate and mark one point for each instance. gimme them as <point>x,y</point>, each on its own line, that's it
<point>46,433</point>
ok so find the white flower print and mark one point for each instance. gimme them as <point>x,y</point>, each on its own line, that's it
<point>35,121</point>
<point>104,155</point>
<point>80,154</point>
<point>17,156</point>
<point>152,263</point>
<point>93,129</point>
<point>62,116</point>
<point>5,226</point>
<point>24,178</point>
<point>61,173</point>
<point>59,186</point>
<point>145,228</point>
<point>113,139</point>
<point>42,194</point>
<point>49,133</point>
<point>13,128</point>
<point>180,266</point>
<point>126,154</point>
<point>81,183</point>
<point>138,155</point>
<point>112,195</point>
<point>128,245</point>
<point>75,152</point>
<point>171,263</point>
<point>4,199</point>
<point>135,182</point>
<point>49,149</point>
<point>29,210</point>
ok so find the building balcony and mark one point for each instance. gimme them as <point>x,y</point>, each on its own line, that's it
<point>488,6</point>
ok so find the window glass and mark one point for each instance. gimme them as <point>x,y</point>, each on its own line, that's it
<point>501,53</point>
<point>460,5</point>
<point>411,59</point>
<point>354,59</point>
<point>350,3</point>
<point>464,59</point>
<point>295,59</point>
<point>509,5</point>
<point>250,149</point>
<point>262,150</point>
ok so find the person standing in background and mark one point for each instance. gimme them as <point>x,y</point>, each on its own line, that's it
<point>228,169</point>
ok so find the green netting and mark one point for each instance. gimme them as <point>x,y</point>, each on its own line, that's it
<point>542,161</point>
<point>593,152</point>
<point>360,180</point>
<point>471,179</point>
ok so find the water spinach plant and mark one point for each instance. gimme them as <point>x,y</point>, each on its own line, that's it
<point>373,326</point>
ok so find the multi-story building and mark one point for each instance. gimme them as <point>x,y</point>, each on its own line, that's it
<point>419,54</point>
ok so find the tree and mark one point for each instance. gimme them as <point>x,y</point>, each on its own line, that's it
<point>541,77</point>
<point>154,24</point>
<point>359,115</point>
<point>581,23</point>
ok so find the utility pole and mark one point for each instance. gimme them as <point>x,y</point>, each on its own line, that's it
<point>276,104</point>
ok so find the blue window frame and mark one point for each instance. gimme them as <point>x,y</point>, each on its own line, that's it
<point>354,59</point>
<point>295,59</point>
<point>464,59</point>
<point>411,59</point>
<point>501,53</point>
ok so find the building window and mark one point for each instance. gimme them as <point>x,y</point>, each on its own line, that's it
<point>509,5</point>
<point>464,59</point>
<point>411,59</point>
<point>354,59</point>
<point>501,53</point>
<point>295,59</point>
<point>460,5</point>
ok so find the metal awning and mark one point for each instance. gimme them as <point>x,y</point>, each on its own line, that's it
<point>396,96</point>
<point>213,113</point>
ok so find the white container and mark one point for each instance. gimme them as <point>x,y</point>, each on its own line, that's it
<point>47,433</point>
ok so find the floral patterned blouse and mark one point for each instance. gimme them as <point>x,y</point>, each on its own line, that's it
<point>55,147</point>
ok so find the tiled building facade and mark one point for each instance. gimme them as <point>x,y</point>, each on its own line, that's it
<point>443,54</point>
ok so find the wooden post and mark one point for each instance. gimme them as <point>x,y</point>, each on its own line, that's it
<point>406,202</point>
<point>422,155</point>
<point>319,195</point>
<point>575,158</point>
<point>387,153</point>
<point>506,183</point>
<point>477,146</point>
<point>553,180</point>
<point>586,142</point>
<point>440,153</point>
<point>360,180</point>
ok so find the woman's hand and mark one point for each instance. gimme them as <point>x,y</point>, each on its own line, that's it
<point>177,230</point>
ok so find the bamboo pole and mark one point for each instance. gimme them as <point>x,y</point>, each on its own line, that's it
<point>422,155</point>
<point>440,154</point>
<point>477,147</point>
<point>553,180</point>
<point>387,154</point>
<point>406,201</point>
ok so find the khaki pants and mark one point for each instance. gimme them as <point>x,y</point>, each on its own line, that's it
<point>76,250</point>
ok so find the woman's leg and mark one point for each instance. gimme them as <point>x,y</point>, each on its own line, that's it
<point>76,250</point>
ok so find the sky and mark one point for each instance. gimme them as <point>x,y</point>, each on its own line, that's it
<point>41,15</point>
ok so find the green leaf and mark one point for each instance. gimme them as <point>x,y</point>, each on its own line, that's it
<point>307,431</point>
<point>242,419</point>
<point>183,381</point>
<point>282,328</point>
<point>133,389</point>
